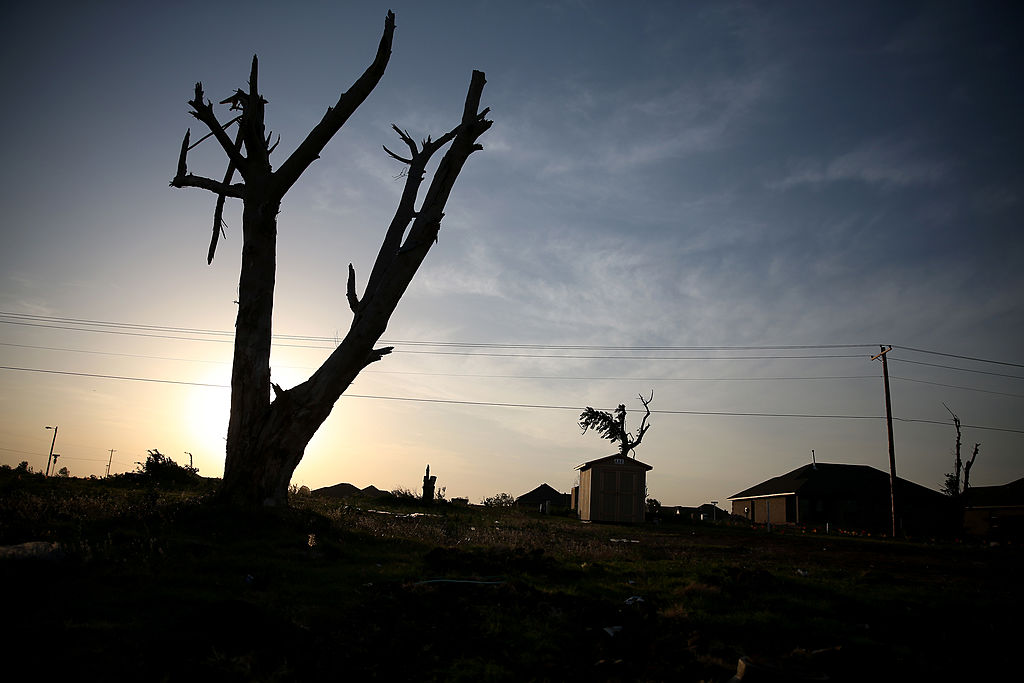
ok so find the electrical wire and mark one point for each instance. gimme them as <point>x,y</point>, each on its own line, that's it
<point>526,405</point>
<point>950,367</point>
<point>953,355</point>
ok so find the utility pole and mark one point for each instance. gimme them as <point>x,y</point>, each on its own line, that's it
<point>50,456</point>
<point>112,451</point>
<point>888,424</point>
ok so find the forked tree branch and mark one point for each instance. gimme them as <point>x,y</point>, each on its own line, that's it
<point>643,423</point>
<point>396,265</point>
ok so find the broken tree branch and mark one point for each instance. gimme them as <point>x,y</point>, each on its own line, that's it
<point>350,289</point>
<point>200,140</point>
<point>237,191</point>
<point>309,149</point>
<point>218,211</point>
<point>203,111</point>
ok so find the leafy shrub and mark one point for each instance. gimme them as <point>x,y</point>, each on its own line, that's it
<point>500,500</point>
<point>160,469</point>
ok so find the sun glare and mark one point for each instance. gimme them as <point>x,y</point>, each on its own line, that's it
<point>207,417</point>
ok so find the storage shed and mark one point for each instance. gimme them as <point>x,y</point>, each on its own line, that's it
<point>613,489</point>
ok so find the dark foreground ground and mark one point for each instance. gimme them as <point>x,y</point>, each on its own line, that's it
<point>144,584</point>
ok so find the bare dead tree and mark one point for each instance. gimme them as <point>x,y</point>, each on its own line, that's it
<point>952,485</point>
<point>613,426</point>
<point>267,436</point>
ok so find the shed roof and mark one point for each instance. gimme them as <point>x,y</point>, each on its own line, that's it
<point>832,479</point>
<point>610,459</point>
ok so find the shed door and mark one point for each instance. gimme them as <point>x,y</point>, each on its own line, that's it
<point>609,490</point>
<point>618,496</point>
<point>627,495</point>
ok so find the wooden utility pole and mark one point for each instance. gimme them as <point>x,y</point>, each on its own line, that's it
<point>888,424</point>
<point>49,458</point>
<point>112,451</point>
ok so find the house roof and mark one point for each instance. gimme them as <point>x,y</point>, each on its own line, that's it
<point>1007,495</point>
<point>344,490</point>
<point>830,480</point>
<point>542,492</point>
<point>610,460</point>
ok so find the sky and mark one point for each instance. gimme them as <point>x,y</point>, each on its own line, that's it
<point>732,205</point>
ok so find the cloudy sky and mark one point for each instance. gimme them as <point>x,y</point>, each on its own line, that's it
<point>729,204</point>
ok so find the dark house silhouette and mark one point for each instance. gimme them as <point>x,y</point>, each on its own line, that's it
<point>847,497</point>
<point>702,513</point>
<point>995,512</point>
<point>544,498</point>
<point>346,491</point>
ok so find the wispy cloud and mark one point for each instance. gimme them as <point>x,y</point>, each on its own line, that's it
<point>881,163</point>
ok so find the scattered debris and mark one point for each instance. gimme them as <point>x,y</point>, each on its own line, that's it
<point>478,582</point>
<point>38,550</point>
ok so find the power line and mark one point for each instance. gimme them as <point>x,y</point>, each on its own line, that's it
<point>59,322</point>
<point>957,386</point>
<point>123,332</point>
<point>529,405</point>
<point>120,377</point>
<point>112,353</point>
<point>526,377</point>
<point>563,347</point>
<point>953,355</point>
<point>577,408</point>
<point>951,367</point>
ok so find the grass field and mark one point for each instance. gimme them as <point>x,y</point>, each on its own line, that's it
<point>128,581</point>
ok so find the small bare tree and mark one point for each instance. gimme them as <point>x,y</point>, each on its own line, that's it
<point>613,426</point>
<point>952,485</point>
<point>267,437</point>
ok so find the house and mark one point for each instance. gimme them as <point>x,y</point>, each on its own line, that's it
<point>612,489</point>
<point>837,496</point>
<point>338,491</point>
<point>995,511</point>
<point>702,513</point>
<point>347,491</point>
<point>544,498</point>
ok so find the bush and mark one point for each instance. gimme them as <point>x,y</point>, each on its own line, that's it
<point>500,500</point>
<point>160,469</point>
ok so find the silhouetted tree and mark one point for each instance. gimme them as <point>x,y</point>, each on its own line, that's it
<point>613,426</point>
<point>267,437</point>
<point>952,484</point>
